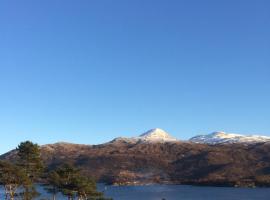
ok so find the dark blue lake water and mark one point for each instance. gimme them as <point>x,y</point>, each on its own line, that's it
<point>174,192</point>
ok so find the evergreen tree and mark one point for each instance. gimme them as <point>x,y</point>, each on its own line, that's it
<point>64,177</point>
<point>85,188</point>
<point>53,183</point>
<point>71,183</point>
<point>12,177</point>
<point>30,161</point>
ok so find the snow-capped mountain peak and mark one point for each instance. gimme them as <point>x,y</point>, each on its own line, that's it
<point>228,138</point>
<point>151,136</point>
<point>156,134</point>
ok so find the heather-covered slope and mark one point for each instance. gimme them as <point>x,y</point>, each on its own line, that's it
<point>135,162</point>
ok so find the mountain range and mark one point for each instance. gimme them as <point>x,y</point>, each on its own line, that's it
<point>156,157</point>
<point>219,137</point>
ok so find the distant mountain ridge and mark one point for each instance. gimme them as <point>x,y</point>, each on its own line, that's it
<point>215,138</point>
<point>228,138</point>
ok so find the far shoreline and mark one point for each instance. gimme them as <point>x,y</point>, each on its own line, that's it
<point>224,185</point>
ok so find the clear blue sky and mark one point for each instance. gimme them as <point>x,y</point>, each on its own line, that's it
<point>88,71</point>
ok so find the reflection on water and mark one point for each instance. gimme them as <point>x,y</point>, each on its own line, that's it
<point>182,192</point>
<point>172,192</point>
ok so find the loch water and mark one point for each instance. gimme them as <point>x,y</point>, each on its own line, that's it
<point>171,192</point>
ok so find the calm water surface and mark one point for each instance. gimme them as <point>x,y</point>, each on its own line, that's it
<point>174,192</point>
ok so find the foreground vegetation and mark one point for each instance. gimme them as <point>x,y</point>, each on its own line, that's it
<point>19,178</point>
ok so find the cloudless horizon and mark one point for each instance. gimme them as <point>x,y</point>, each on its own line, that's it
<point>89,71</point>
